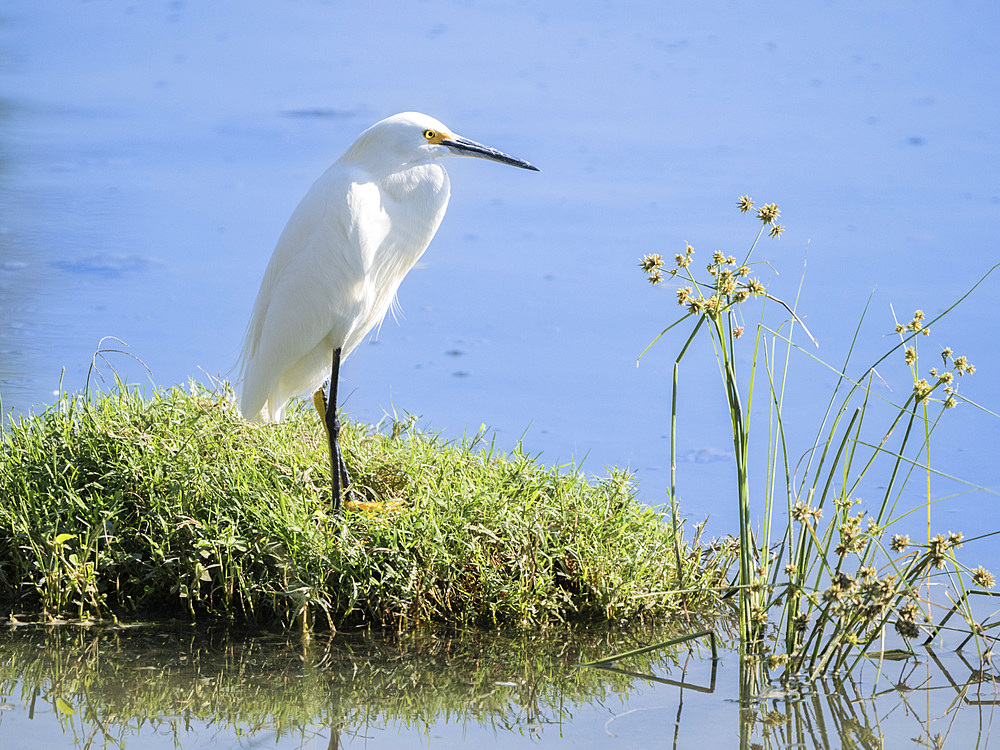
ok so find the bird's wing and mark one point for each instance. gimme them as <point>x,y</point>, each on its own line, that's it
<point>313,288</point>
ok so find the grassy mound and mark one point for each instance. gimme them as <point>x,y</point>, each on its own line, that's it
<point>174,506</point>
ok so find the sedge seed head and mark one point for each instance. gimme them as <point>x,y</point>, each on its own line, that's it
<point>907,629</point>
<point>769,213</point>
<point>651,262</point>
<point>800,512</point>
<point>745,204</point>
<point>726,283</point>
<point>983,578</point>
<point>684,259</point>
<point>900,542</point>
<point>909,611</point>
<point>937,550</point>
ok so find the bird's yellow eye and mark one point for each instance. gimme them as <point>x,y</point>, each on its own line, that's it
<point>430,135</point>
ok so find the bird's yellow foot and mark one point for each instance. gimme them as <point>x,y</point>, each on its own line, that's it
<point>319,401</point>
<point>375,507</point>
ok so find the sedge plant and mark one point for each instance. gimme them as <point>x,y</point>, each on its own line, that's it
<point>822,575</point>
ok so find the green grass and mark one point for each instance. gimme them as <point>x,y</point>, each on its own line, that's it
<point>173,506</point>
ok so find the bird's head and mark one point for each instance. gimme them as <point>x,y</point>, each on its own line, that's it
<point>411,137</point>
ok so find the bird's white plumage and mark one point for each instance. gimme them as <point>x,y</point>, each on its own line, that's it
<point>340,259</point>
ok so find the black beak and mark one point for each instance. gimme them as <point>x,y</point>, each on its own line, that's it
<point>465,147</point>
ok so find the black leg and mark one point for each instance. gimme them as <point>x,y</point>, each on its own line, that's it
<point>338,469</point>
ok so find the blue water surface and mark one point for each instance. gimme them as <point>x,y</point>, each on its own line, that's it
<point>151,153</point>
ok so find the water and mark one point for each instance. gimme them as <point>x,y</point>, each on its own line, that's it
<point>153,687</point>
<point>151,152</point>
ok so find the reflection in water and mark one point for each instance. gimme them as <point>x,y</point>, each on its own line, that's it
<point>919,703</point>
<point>150,686</point>
<point>107,684</point>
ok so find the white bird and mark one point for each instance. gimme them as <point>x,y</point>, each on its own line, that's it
<point>339,261</point>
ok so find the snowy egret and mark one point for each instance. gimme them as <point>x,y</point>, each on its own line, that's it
<point>339,261</point>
